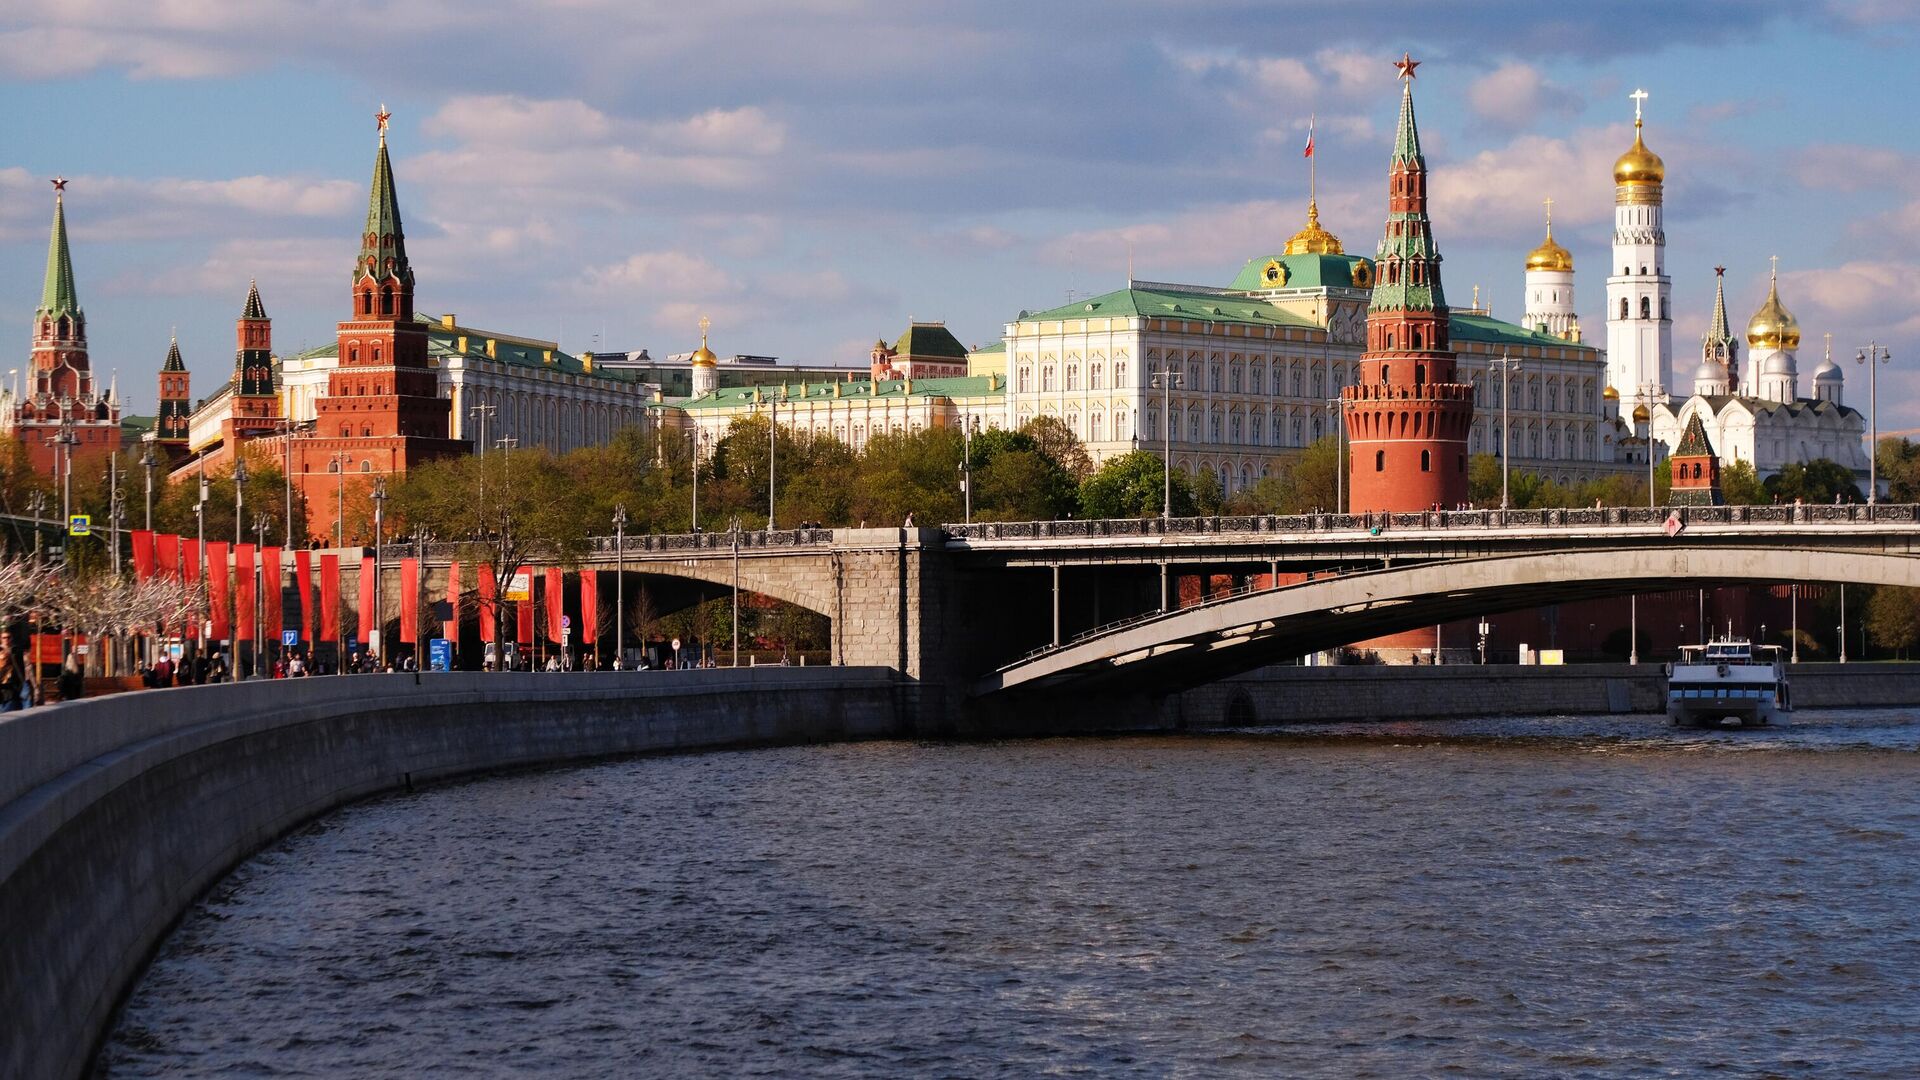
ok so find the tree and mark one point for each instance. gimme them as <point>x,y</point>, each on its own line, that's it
<point>910,474</point>
<point>1818,481</point>
<point>1893,618</point>
<point>1741,485</point>
<point>1052,437</point>
<point>1898,462</point>
<point>1023,485</point>
<point>1132,485</point>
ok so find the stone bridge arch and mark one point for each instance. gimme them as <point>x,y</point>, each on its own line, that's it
<point>1202,644</point>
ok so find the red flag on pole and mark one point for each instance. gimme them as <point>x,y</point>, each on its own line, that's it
<point>272,612</point>
<point>367,618</point>
<point>450,628</point>
<point>303,580</point>
<point>189,559</point>
<point>1309,150</point>
<point>243,592</point>
<point>329,598</point>
<point>143,554</point>
<point>166,554</point>
<point>217,585</point>
<point>523,610</point>
<point>556,602</point>
<point>410,601</point>
<point>486,586</point>
<point>589,605</point>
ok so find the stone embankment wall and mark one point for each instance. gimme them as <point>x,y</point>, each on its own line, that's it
<point>116,813</point>
<point>1285,694</point>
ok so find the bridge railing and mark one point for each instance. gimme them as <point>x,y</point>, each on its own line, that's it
<point>1531,520</point>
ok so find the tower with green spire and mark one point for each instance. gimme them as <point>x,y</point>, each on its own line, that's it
<point>382,413</point>
<point>63,411</point>
<point>176,403</point>
<point>1407,417</point>
<point>1719,349</point>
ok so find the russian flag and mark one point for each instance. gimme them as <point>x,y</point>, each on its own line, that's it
<point>1308,152</point>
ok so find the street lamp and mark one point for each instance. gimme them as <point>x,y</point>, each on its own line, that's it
<point>379,518</point>
<point>239,496</point>
<point>967,429</point>
<point>1647,395</point>
<point>1843,622</point>
<point>697,439</point>
<point>116,517</point>
<point>1873,356</point>
<point>37,506</point>
<point>1166,381</point>
<point>1506,364</point>
<point>340,459</point>
<point>262,528</point>
<point>148,461</point>
<point>773,432</point>
<point>1337,413</point>
<point>1794,639</point>
<point>620,584</point>
<point>63,444</point>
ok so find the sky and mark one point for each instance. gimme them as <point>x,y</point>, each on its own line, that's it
<point>813,174</point>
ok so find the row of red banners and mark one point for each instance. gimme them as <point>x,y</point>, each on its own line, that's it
<point>169,555</point>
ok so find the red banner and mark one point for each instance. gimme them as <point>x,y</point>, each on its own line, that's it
<point>589,605</point>
<point>189,558</point>
<point>556,601</point>
<point>243,592</point>
<point>367,619</point>
<point>410,601</point>
<point>303,580</point>
<point>273,618</point>
<point>329,598</point>
<point>524,609</point>
<point>486,586</point>
<point>166,554</point>
<point>142,554</point>
<point>217,586</point>
<point>450,628</point>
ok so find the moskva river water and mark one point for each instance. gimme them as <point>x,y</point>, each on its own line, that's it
<point>1538,897</point>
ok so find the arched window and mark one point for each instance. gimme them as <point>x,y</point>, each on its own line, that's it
<point>1026,380</point>
<point>1623,307</point>
<point>1646,307</point>
<point>1097,377</point>
<point>1379,461</point>
<point>1073,376</point>
<point>1119,375</point>
<point>1046,379</point>
<point>366,466</point>
<point>346,431</point>
<point>334,465</point>
<point>1426,461</point>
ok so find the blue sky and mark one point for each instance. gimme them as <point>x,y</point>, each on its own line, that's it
<point>814,173</point>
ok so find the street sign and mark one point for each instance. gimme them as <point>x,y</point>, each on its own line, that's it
<point>566,622</point>
<point>440,654</point>
<point>289,638</point>
<point>80,525</point>
<point>80,650</point>
<point>519,586</point>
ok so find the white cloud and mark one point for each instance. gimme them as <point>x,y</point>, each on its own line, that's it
<point>1499,192</point>
<point>649,275</point>
<point>1514,95</point>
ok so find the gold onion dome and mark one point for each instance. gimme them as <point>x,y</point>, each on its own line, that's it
<point>1773,326</point>
<point>1314,240</point>
<point>1549,255</point>
<point>1640,414</point>
<point>1639,165</point>
<point>703,356</point>
<point>1610,394</point>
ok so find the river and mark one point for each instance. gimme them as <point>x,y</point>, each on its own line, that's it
<point>1527,897</point>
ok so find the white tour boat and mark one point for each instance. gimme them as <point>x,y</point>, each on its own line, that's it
<point>1729,681</point>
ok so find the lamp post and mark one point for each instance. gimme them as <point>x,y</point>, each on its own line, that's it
<point>966,467</point>
<point>773,433</point>
<point>1794,640</point>
<point>483,412</point>
<point>1506,364</point>
<point>1633,629</point>
<point>239,497</point>
<point>1843,622</point>
<point>620,585</point>
<point>1166,381</point>
<point>696,440</point>
<point>379,634</point>
<point>1873,356</point>
<point>340,459</point>
<point>1646,396</point>
<point>63,444</point>
<point>262,528</point>
<point>1337,413</point>
<point>148,461</point>
<point>116,517</point>
<point>37,506</point>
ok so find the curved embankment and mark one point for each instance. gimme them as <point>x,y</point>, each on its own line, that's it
<point>116,813</point>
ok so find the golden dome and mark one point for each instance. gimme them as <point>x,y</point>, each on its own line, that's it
<point>1773,326</point>
<point>1610,394</point>
<point>703,356</point>
<point>1549,255</point>
<point>1639,165</point>
<point>1640,414</point>
<point>1314,240</point>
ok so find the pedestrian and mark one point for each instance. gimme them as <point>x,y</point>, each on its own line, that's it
<point>13,681</point>
<point>72,683</point>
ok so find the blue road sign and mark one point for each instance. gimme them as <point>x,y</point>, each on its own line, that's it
<point>80,525</point>
<point>289,638</point>
<point>440,654</point>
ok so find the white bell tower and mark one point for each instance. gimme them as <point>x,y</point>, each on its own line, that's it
<point>1639,304</point>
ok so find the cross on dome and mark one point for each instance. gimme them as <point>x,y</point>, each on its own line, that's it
<point>1639,97</point>
<point>1775,260</point>
<point>1549,202</point>
<point>704,323</point>
<point>1406,64</point>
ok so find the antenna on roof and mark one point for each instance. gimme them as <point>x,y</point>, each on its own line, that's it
<point>1129,262</point>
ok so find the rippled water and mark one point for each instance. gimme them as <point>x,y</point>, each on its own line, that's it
<point>1599,897</point>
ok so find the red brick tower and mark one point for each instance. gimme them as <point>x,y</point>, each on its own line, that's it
<point>1407,419</point>
<point>1696,468</point>
<point>62,405</point>
<point>256,408</point>
<point>382,413</point>
<point>176,405</point>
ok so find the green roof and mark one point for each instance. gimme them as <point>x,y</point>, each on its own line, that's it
<point>383,237</point>
<point>930,339</point>
<point>1486,328</point>
<point>135,426</point>
<point>993,347</point>
<point>1303,272</point>
<point>1172,304</point>
<point>444,344</point>
<point>734,397</point>
<point>57,295</point>
<point>1694,442</point>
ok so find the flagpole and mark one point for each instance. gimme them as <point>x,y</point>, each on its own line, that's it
<point>1313,163</point>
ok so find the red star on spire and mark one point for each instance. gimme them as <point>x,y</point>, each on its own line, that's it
<point>1406,64</point>
<point>59,184</point>
<point>382,117</point>
<point>1719,271</point>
